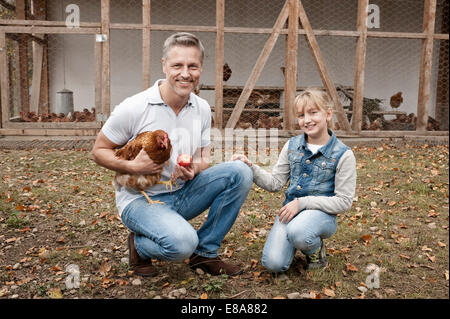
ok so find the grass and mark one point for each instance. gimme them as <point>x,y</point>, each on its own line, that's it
<point>57,208</point>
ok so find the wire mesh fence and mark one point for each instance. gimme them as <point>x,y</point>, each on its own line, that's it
<point>54,62</point>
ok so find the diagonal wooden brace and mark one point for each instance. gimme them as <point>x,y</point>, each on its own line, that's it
<point>323,71</point>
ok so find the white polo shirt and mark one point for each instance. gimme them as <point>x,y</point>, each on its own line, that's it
<point>146,111</point>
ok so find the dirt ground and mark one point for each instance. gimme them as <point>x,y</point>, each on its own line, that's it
<point>61,237</point>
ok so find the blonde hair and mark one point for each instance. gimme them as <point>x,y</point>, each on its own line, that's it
<point>315,98</point>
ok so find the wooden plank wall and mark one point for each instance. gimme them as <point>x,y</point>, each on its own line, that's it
<point>102,57</point>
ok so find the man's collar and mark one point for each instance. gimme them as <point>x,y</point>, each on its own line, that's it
<point>154,95</point>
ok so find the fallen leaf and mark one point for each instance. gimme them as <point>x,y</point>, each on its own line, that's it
<point>60,240</point>
<point>106,283</point>
<point>56,268</point>
<point>431,258</point>
<point>351,267</point>
<point>405,256</point>
<point>366,238</point>
<point>228,252</point>
<point>54,293</point>
<point>441,244</point>
<point>204,296</point>
<point>446,275</point>
<point>392,203</point>
<point>103,214</point>
<point>105,268</point>
<point>328,292</point>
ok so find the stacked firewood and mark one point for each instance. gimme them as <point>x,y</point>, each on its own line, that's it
<point>83,116</point>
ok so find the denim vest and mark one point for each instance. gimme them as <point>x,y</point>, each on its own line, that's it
<point>313,174</point>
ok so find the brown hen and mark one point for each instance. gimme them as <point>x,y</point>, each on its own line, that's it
<point>157,145</point>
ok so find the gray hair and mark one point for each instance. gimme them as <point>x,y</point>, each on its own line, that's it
<point>183,39</point>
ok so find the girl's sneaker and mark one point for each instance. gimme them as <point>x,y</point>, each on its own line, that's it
<point>318,259</point>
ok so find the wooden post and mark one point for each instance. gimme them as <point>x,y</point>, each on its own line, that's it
<point>442,100</point>
<point>23,59</point>
<point>4,81</point>
<point>259,65</point>
<point>145,44</point>
<point>38,11</point>
<point>220,46</point>
<point>98,81</point>
<point>106,71</point>
<point>290,79</point>
<point>323,71</point>
<point>423,104</point>
<point>360,65</point>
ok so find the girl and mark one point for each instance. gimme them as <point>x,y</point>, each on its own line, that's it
<point>322,178</point>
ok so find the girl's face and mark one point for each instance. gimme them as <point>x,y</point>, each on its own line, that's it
<point>314,122</point>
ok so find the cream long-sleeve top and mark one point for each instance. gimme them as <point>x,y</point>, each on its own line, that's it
<point>345,183</point>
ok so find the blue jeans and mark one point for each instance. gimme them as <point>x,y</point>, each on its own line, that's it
<point>163,231</point>
<point>303,232</point>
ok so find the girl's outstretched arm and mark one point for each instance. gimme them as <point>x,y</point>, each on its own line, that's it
<point>270,181</point>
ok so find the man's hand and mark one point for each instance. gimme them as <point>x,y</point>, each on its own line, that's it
<point>288,211</point>
<point>143,165</point>
<point>184,173</point>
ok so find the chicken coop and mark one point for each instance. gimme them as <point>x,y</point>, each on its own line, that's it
<point>65,64</point>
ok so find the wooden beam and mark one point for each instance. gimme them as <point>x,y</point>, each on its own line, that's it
<point>290,78</point>
<point>146,44</point>
<point>323,71</point>
<point>23,60</point>
<point>360,65</point>
<point>38,55</point>
<point>442,100</point>
<point>38,10</point>
<point>423,103</point>
<point>4,81</point>
<point>98,81</point>
<point>220,47</point>
<point>48,30</point>
<point>257,69</point>
<point>106,71</point>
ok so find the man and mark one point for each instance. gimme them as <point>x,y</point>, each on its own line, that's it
<point>161,231</point>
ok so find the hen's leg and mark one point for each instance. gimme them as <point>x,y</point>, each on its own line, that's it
<point>149,199</point>
<point>169,184</point>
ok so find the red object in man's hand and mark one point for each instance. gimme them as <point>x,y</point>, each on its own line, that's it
<point>184,160</point>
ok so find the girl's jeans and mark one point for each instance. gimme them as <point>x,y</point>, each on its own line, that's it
<point>303,232</point>
<point>163,231</point>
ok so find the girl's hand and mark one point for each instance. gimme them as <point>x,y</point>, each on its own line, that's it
<point>242,158</point>
<point>288,211</point>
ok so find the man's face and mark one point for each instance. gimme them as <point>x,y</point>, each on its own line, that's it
<point>182,68</point>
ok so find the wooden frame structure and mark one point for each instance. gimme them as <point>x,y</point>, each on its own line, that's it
<point>293,13</point>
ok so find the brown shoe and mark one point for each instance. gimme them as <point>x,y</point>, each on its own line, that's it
<point>140,266</point>
<point>214,266</point>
